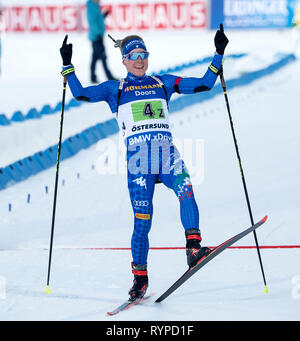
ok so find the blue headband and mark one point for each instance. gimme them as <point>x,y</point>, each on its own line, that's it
<point>133,44</point>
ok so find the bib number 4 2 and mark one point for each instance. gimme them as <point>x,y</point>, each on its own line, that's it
<point>147,110</point>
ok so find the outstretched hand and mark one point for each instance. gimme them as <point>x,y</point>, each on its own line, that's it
<point>66,52</point>
<point>221,40</point>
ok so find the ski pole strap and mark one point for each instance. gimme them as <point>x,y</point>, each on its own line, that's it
<point>214,69</point>
<point>67,71</point>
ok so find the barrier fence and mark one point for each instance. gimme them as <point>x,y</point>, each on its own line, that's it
<point>23,16</point>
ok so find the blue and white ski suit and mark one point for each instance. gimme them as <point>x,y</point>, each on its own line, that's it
<point>140,106</point>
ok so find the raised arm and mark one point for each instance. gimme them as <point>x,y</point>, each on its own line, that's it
<point>106,91</point>
<point>189,85</point>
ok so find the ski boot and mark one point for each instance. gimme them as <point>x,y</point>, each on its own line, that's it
<point>194,251</point>
<point>140,282</point>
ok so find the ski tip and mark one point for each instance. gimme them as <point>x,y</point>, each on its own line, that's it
<point>264,219</point>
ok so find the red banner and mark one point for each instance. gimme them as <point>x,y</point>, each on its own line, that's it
<point>122,16</point>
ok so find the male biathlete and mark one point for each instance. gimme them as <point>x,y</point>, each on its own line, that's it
<point>140,105</point>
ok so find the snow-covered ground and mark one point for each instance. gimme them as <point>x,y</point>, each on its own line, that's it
<point>93,209</point>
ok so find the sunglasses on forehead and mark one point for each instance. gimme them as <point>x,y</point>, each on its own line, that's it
<point>136,55</point>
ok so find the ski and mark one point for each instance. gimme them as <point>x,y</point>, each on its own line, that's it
<point>204,260</point>
<point>128,304</point>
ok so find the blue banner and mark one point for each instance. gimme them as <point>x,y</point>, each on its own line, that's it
<point>254,13</point>
<point>294,7</point>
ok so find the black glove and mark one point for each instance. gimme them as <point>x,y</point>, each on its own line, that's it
<point>221,40</point>
<point>66,52</point>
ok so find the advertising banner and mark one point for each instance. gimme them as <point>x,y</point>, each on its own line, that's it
<point>69,16</point>
<point>253,13</point>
